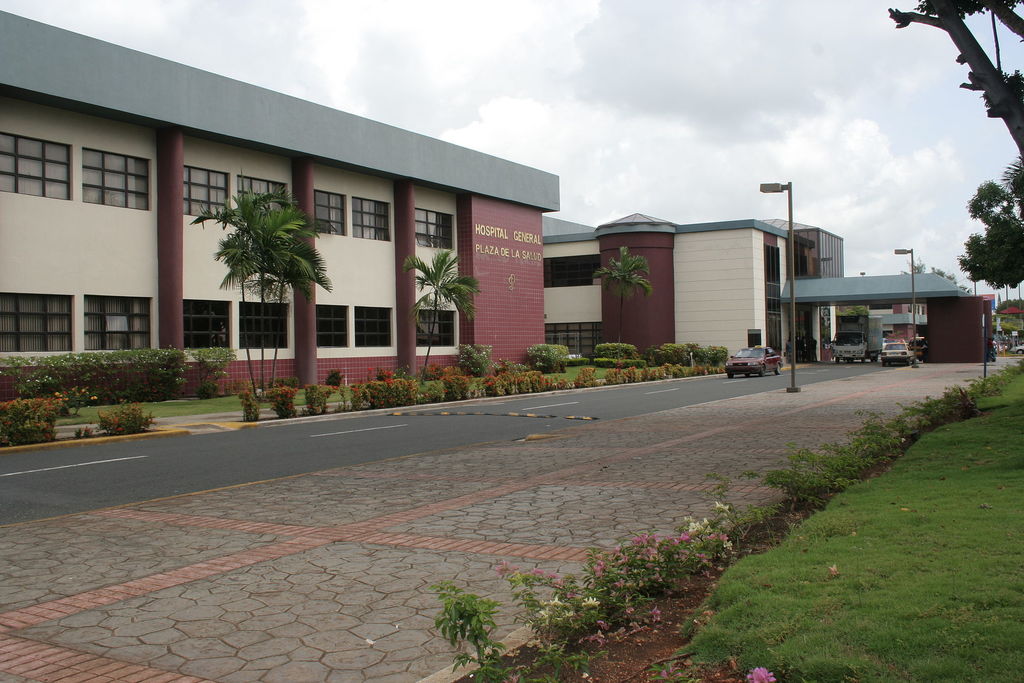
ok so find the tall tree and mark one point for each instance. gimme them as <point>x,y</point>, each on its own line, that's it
<point>1003,94</point>
<point>625,277</point>
<point>267,256</point>
<point>997,257</point>
<point>443,288</point>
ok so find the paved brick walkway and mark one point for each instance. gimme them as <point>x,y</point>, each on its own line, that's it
<point>324,577</point>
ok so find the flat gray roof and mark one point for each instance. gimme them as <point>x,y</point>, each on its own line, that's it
<point>558,231</point>
<point>874,289</point>
<point>48,65</point>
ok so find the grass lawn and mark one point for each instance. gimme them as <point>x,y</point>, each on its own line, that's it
<point>177,408</point>
<point>930,570</point>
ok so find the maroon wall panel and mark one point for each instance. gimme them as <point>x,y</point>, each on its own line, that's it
<point>646,320</point>
<point>955,329</point>
<point>501,245</point>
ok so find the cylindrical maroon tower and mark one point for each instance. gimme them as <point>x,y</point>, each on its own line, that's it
<point>405,282</point>
<point>303,309</point>
<point>170,190</point>
<point>645,320</point>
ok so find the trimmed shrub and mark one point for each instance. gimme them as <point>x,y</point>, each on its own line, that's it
<point>388,393</point>
<point>508,383</point>
<point>456,384</point>
<point>28,420</point>
<point>335,378</point>
<point>548,357</point>
<point>714,356</point>
<point>290,382</point>
<point>574,362</point>
<point>620,362</point>
<point>210,365</point>
<point>126,418</point>
<point>250,406</point>
<point>505,366</point>
<point>431,392</point>
<point>587,377</point>
<point>675,354</point>
<point>282,400</point>
<point>112,376</point>
<point>316,399</point>
<point>615,350</point>
<point>432,372</point>
<point>475,359</point>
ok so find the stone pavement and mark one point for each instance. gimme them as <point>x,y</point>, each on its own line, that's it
<point>326,576</point>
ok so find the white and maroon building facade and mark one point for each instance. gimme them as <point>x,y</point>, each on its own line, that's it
<point>108,154</point>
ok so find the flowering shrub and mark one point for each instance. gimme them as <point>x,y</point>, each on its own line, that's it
<point>291,382</point>
<point>126,418</point>
<point>623,375</point>
<point>282,400</point>
<point>250,406</point>
<point>587,377</point>
<point>618,585</point>
<point>381,375</point>
<point>111,376</point>
<point>28,420</point>
<point>548,357</point>
<point>74,399</point>
<point>84,433</point>
<point>431,392</point>
<point>506,383</point>
<point>760,675</point>
<point>475,359</point>
<point>316,399</point>
<point>505,366</point>
<point>387,393</point>
<point>456,384</point>
<point>432,372</point>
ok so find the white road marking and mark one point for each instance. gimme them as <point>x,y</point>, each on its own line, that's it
<point>353,431</point>
<point>64,467</point>
<point>552,405</point>
<point>733,381</point>
<point>662,391</point>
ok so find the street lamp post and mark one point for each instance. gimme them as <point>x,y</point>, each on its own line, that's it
<point>771,188</point>
<point>913,303</point>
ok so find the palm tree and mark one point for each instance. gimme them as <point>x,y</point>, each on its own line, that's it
<point>267,255</point>
<point>625,277</point>
<point>445,288</point>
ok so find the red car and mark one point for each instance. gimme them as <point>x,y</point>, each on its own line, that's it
<point>756,360</point>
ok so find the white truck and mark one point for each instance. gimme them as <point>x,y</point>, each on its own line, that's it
<point>858,337</point>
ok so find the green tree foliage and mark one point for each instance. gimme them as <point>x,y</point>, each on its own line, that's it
<point>625,277</point>
<point>444,288</point>
<point>997,257</point>
<point>267,253</point>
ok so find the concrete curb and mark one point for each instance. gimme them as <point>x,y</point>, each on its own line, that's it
<point>157,433</point>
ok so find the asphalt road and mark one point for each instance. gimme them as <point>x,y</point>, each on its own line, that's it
<point>40,484</point>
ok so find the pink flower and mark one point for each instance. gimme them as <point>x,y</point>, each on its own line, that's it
<point>760,675</point>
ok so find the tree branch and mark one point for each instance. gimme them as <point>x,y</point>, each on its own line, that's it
<point>905,19</point>
<point>1006,15</point>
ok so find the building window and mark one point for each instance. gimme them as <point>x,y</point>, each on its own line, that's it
<point>373,326</point>
<point>116,322</point>
<point>331,325</point>
<point>330,212</point>
<point>35,322</point>
<point>433,229</point>
<point>571,271</point>
<point>439,331</point>
<point>773,296</point>
<point>115,179</point>
<point>205,190</point>
<point>370,219</point>
<point>258,185</point>
<point>35,167</point>
<point>205,323</point>
<point>581,338</point>
<point>262,325</point>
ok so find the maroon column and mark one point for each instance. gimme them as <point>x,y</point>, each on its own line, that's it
<point>405,283</point>
<point>303,309</point>
<point>170,190</point>
<point>646,320</point>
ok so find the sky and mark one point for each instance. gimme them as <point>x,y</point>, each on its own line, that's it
<point>673,108</point>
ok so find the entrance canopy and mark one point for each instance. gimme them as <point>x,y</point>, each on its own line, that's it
<point>877,289</point>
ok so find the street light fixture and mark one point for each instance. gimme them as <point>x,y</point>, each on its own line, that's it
<point>772,188</point>
<point>913,303</point>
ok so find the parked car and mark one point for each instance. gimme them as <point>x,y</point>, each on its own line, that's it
<point>1019,349</point>
<point>896,352</point>
<point>754,360</point>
